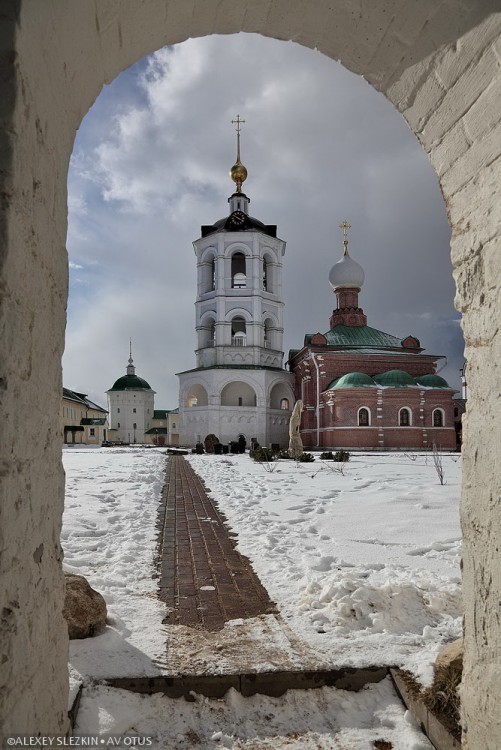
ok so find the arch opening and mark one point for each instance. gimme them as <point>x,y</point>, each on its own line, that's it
<point>238,393</point>
<point>113,63</point>
<point>196,396</point>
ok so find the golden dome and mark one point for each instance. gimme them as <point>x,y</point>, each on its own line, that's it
<point>238,174</point>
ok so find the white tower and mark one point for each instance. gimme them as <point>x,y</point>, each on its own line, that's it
<point>239,386</point>
<point>130,406</point>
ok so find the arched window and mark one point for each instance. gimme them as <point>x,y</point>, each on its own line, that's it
<point>212,276</point>
<point>404,417</point>
<point>284,404</point>
<point>265,274</point>
<point>438,418</point>
<point>267,333</point>
<point>363,417</point>
<point>238,272</point>
<point>212,333</point>
<point>238,331</point>
<point>208,274</point>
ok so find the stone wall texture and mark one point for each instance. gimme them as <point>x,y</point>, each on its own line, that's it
<point>438,62</point>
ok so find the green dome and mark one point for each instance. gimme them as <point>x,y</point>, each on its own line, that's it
<point>395,379</point>
<point>432,381</point>
<point>130,383</point>
<point>352,380</point>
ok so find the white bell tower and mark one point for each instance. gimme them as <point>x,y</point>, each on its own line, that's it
<point>239,327</point>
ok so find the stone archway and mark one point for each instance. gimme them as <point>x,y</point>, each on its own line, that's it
<point>438,63</point>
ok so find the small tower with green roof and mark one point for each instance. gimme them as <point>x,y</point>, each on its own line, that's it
<point>130,406</point>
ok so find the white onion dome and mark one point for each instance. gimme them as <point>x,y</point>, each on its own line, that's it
<point>346,273</point>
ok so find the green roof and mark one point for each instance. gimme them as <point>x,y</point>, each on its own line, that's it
<point>160,414</point>
<point>352,380</point>
<point>130,383</point>
<point>93,420</point>
<point>395,379</point>
<point>232,367</point>
<point>361,336</point>
<point>431,381</point>
<point>156,431</point>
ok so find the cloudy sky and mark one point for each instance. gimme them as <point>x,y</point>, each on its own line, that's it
<point>150,165</point>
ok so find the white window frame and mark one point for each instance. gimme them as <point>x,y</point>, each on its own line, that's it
<point>370,416</point>
<point>442,412</point>
<point>409,410</point>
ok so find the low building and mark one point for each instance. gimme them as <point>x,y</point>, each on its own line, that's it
<point>164,429</point>
<point>82,421</point>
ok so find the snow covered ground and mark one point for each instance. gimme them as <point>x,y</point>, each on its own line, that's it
<point>364,566</point>
<point>109,536</point>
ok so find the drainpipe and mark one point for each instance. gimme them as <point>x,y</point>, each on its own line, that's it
<point>317,404</point>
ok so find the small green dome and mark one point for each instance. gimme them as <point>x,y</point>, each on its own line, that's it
<point>352,380</point>
<point>432,381</point>
<point>130,383</point>
<point>395,379</point>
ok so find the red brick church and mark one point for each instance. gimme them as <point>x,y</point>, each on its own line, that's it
<point>363,388</point>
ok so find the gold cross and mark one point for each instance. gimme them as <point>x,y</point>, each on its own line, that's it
<point>237,122</point>
<point>345,226</point>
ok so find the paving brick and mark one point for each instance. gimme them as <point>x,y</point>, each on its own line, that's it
<point>196,550</point>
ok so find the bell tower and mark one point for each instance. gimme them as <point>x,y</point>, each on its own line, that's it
<point>239,306</point>
<point>239,326</point>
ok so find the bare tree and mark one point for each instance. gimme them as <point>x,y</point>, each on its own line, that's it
<point>438,463</point>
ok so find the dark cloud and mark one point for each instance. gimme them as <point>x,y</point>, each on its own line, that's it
<point>151,165</point>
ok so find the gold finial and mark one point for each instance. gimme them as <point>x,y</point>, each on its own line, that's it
<point>345,226</point>
<point>238,172</point>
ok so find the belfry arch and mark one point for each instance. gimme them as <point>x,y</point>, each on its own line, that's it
<point>439,64</point>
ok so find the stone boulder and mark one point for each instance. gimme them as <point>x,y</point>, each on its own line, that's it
<point>84,608</point>
<point>450,658</point>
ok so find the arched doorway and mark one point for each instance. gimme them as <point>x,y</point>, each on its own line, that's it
<point>437,64</point>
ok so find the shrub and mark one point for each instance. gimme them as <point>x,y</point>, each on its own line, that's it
<point>260,454</point>
<point>306,458</point>
<point>341,456</point>
<point>327,456</point>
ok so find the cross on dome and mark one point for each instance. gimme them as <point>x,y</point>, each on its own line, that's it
<point>345,226</point>
<point>346,273</point>
<point>238,172</point>
<point>131,370</point>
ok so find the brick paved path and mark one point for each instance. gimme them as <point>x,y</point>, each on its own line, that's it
<point>203,579</point>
